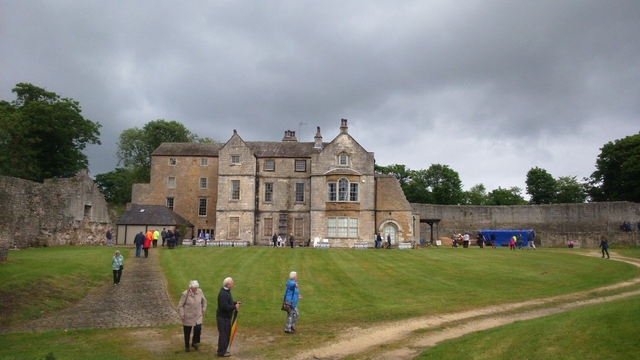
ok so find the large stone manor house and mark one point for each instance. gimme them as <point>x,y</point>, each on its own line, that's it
<point>250,190</point>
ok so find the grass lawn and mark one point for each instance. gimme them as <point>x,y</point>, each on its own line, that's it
<point>607,331</point>
<point>341,289</point>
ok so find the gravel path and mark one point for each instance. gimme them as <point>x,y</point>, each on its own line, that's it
<point>140,299</point>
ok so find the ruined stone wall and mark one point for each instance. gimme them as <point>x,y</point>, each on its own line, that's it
<point>59,212</point>
<point>554,224</point>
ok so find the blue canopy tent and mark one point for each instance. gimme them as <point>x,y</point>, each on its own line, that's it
<point>503,236</point>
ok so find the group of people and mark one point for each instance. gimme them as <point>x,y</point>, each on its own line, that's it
<point>206,237</point>
<point>278,241</point>
<point>378,241</point>
<point>459,238</point>
<point>193,305</point>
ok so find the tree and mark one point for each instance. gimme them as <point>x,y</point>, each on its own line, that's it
<point>502,196</point>
<point>617,175</point>
<point>477,195</point>
<point>42,135</point>
<point>439,184</point>
<point>541,186</point>
<point>116,185</point>
<point>136,145</point>
<point>570,191</point>
<point>402,173</point>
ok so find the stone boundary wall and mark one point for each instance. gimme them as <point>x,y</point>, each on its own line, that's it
<point>554,224</point>
<point>68,211</point>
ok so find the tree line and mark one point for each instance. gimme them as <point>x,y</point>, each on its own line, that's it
<point>42,136</point>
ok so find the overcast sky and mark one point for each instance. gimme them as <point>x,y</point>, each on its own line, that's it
<point>489,88</point>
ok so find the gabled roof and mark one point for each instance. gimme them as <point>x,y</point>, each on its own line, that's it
<point>151,215</point>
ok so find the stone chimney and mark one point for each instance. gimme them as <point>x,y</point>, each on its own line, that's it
<point>344,129</point>
<point>289,136</point>
<point>317,140</point>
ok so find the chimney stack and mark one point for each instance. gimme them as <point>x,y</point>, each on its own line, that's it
<point>317,140</point>
<point>289,136</point>
<point>344,129</point>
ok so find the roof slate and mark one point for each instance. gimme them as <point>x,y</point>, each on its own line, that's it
<point>151,215</point>
<point>261,149</point>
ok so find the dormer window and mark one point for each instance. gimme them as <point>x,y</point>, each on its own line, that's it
<point>343,159</point>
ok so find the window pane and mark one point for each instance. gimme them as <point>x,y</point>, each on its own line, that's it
<point>173,161</point>
<point>204,161</point>
<point>343,159</point>
<point>353,227</point>
<point>171,182</point>
<point>268,192</point>
<point>299,192</point>
<point>342,189</point>
<point>269,165</point>
<point>331,227</point>
<point>202,207</point>
<point>353,192</point>
<point>235,159</point>
<point>235,189</point>
<point>301,165</point>
<point>342,227</point>
<point>203,183</point>
<point>331,191</point>
<point>170,203</point>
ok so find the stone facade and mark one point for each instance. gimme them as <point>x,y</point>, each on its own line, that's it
<point>554,224</point>
<point>257,189</point>
<point>58,212</point>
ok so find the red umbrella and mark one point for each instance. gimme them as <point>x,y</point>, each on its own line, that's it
<point>234,326</point>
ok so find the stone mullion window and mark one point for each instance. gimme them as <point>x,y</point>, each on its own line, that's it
<point>268,192</point>
<point>202,207</point>
<point>343,186</point>
<point>235,189</point>
<point>299,192</point>
<point>331,191</point>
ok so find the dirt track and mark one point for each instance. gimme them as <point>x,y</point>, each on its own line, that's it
<point>365,343</point>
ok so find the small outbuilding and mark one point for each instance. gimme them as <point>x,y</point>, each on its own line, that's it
<point>144,217</point>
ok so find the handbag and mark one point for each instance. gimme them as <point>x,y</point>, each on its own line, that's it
<point>286,305</point>
<point>121,267</point>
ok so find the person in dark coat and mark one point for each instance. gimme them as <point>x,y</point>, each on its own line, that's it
<point>274,239</point>
<point>605,246</point>
<point>224,312</point>
<point>139,241</point>
<point>291,240</point>
<point>378,240</point>
<point>492,237</point>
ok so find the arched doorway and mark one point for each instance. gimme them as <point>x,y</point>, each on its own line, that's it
<point>390,230</point>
